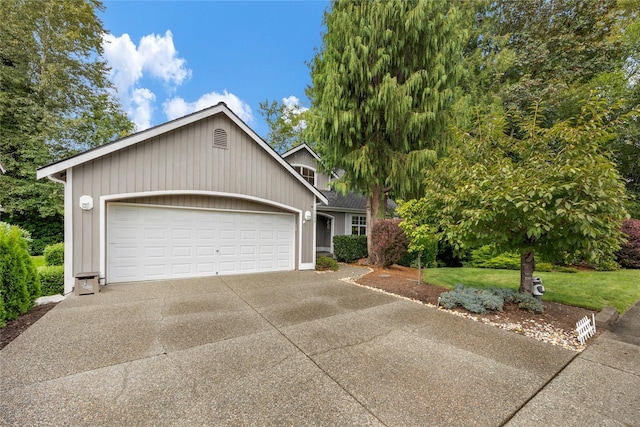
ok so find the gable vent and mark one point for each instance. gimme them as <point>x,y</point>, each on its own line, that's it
<point>220,139</point>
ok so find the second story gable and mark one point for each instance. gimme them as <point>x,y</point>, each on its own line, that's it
<point>306,162</point>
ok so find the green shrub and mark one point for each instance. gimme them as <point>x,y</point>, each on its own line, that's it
<point>544,266</point>
<point>427,259</point>
<point>485,257</point>
<point>326,263</point>
<point>19,283</point>
<point>566,269</point>
<point>54,254</point>
<point>608,265</point>
<point>492,299</point>
<point>350,248</point>
<point>389,241</point>
<point>51,279</point>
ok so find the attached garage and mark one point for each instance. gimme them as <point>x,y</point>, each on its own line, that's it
<point>153,242</point>
<point>202,195</point>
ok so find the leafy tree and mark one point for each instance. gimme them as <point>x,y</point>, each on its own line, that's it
<point>550,191</point>
<point>55,97</point>
<point>420,234</point>
<point>287,123</point>
<point>382,85</point>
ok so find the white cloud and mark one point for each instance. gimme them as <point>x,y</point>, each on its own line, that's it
<point>293,108</point>
<point>160,58</point>
<point>178,107</point>
<point>142,107</point>
<point>156,57</point>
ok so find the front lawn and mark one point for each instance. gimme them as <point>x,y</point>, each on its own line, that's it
<point>593,289</point>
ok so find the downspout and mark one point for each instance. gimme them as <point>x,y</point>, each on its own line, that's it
<point>68,229</point>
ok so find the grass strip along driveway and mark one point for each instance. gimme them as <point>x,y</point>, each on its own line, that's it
<point>589,289</point>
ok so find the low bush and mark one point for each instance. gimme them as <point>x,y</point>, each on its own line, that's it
<point>607,265</point>
<point>543,266</point>
<point>629,254</point>
<point>54,254</point>
<point>389,241</point>
<point>485,257</point>
<point>19,283</point>
<point>51,279</point>
<point>326,263</point>
<point>492,299</point>
<point>566,269</point>
<point>350,248</point>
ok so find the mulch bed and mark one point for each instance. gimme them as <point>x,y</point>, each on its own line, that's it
<point>403,281</point>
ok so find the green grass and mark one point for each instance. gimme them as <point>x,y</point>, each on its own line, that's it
<point>38,260</point>
<point>593,290</point>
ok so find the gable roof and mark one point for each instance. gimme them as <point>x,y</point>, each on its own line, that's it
<point>313,154</point>
<point>128,141</point>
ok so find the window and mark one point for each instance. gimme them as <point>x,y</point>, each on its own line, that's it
<point>307,173</point>
<point>358,225</point>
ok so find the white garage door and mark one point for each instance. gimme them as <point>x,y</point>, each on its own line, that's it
<point>150,243</point>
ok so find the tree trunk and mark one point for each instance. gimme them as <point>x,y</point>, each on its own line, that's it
<point>419,268</point>
<point>527,264</point>
<point>373,213</point>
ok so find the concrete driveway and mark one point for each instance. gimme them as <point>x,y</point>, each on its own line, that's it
<point>296,348</point>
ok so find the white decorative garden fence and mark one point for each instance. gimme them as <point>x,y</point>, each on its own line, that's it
<point>586,328</point>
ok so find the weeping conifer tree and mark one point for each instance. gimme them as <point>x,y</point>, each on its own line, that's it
<point>382,85</point>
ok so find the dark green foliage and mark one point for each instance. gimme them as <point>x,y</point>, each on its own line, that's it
<point>51,279</point>
<point>19,283</point>
<point>629,254</point>
<point>350,248</point>
<point>493,299</point>
<point>389,241</point>
<point>44,230</point>
<point>54,254</point>
<point>326,263</point>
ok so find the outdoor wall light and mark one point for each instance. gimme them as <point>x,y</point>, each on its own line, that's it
<point>86,203</point>
<point>307,215</point>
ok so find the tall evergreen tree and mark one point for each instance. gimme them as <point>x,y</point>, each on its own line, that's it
<point>382,85</point>
<point>55,96</point>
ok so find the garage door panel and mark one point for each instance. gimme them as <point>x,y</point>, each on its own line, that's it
<point>148,242</point>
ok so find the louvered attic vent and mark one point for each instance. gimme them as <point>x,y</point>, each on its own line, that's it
<point>220,139</point>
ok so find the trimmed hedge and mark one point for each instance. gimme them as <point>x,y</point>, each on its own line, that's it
<point>19,282</point>
<point>350,248</point>
<point>54,254</point>
<point>51,279</point>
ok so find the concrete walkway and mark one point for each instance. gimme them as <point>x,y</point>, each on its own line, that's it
<point>601,387</point>
<point>296,348</point>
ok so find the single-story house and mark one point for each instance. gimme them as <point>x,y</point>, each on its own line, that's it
<point>202,195</point>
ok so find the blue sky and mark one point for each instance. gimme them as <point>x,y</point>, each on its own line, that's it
<point>170,58</point>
